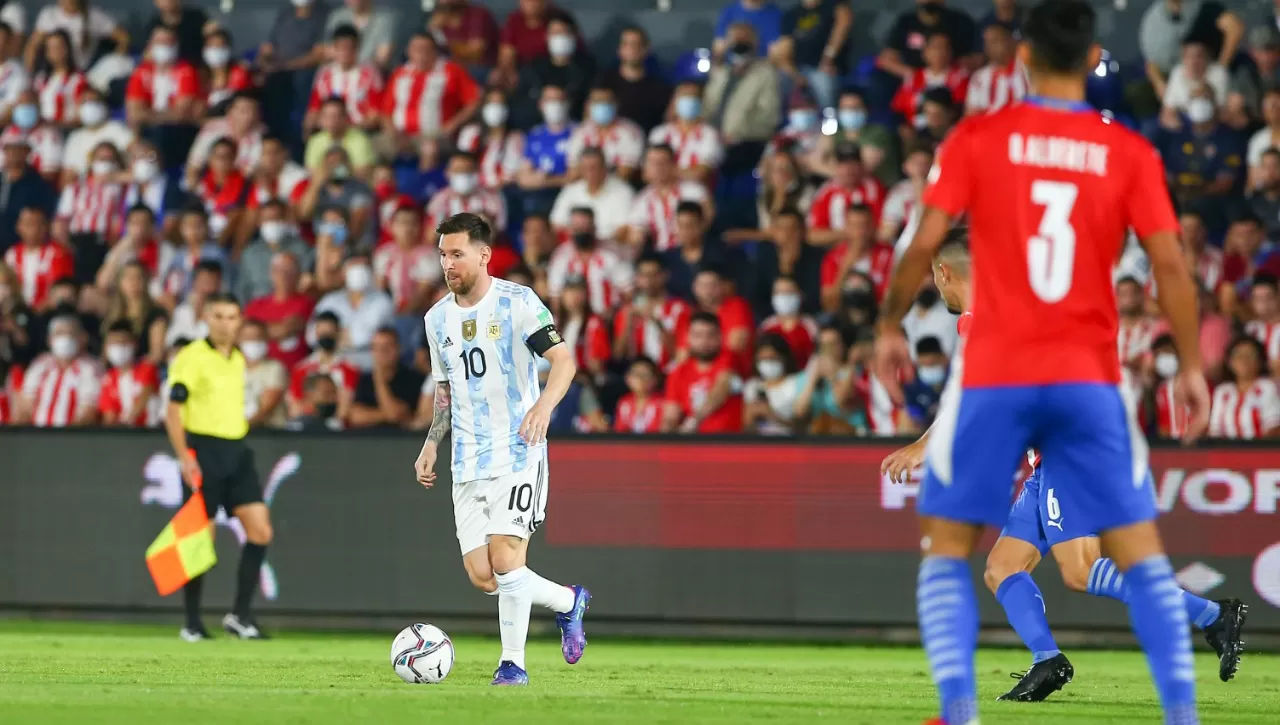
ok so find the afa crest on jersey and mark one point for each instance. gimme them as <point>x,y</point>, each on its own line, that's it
<point>495,330</point>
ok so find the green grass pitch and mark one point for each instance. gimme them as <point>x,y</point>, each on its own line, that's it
<point>83,674</point>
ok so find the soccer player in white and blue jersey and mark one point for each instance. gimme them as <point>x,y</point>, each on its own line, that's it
<point>484,337</point>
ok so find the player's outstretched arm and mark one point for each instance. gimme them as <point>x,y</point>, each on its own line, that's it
<point>1179,301</point>
<point>441,424</point>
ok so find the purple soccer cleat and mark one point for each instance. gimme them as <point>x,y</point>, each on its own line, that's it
<point>510,675</point>
<point>572,639</point>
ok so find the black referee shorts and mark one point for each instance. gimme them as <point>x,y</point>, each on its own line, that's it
<point>230,477</point>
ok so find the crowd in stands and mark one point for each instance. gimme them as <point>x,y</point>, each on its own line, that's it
<point>713,240</point>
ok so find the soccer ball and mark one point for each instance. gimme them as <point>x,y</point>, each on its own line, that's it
<point>422,653</point>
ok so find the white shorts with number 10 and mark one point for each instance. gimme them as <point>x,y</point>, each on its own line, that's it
<point>511,505</point>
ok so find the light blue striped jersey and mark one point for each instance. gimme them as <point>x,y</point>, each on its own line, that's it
<point>481,352</point>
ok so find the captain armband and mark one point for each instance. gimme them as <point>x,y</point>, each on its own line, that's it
<point>544,339</point>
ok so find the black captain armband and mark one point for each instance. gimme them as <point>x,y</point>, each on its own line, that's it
<point>179,393</point>
<point>544,339</point>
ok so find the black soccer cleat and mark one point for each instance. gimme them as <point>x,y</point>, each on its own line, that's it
<point>1041,681</point>
<point>243,627</point>
<point>1224,636</point>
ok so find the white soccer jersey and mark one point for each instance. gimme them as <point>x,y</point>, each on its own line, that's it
<point>481,352</point>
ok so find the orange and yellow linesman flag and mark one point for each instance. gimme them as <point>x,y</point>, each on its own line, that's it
<point>184,550</point>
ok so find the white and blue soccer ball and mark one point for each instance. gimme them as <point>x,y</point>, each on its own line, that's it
<point>422,654</point>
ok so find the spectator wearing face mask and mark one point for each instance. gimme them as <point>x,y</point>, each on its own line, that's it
<point>924,394</point>
<point>769,397</point>
<point>43,140</point>
<point>361,310</point>
<point>1170,418</point>
<point>333,243</point>
<point>801,136</point>
<point>704,392</point>
<point>544,170</point>
<point>275,235</point>
<point>334,184</point>
<point>786,255</point>
<point>323,360</point>
<point>696,143</point>
<point>265,379</point>
<point>60,389</point>
<point>606,276</point>
<point>466,195</point>
<point>743,100</point>
<point>1196,70</point>
<point>567,65</point>
<point>610,199</point>
<point>283,311</point>
<point>358,84</point>
<point>642,93</point>
<point>877,145</point>
<point>640,410</point>
<point>37,260</point>
<point>620,140</point>
<point>223,77</point>
<point>498,148</point>
<point>90,214</point>
<point>797,331</point>
<point>187,22</point>
<point>1203,158</point>
<point>856,305</point>
<point>129,386</point>
<point>95,128</point>
<point>163,99</point>
<point>319,407</point>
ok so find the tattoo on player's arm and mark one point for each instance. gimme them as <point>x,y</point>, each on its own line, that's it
<point>443,420</point>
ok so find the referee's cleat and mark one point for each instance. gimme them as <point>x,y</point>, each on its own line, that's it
<point>573,640</point>
<point>509,674</point>
<point>194,634</point>
<point>1224,636</point>
<point>242,627</point>
<point>1042,680</point>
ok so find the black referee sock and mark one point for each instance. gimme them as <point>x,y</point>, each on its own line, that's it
<point>251,558</point>
<point>191,602</point>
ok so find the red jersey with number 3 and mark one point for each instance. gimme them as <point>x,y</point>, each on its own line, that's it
<point>1051,189</point>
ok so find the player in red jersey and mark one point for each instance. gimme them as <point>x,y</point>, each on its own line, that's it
<point>1051,188</point>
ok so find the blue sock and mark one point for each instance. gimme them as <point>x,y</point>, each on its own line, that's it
<point>1105,580</point>
<point>948,611</point>
<point>1159,620</point>
<point>1024,608</point>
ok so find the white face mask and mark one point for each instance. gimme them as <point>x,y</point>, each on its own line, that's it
<point>92,113</point>
<point>103,168</point>
<point>770,369</point>
<point>119,355</point>
<point>932,374</point>
<point>494,114</point>
<point>358,278</point>
<point>300,3</point>
<point>217,56</point>
<point>144,170</point>
<point>786,304</point>
<point>164,54</point>
<point>64,347</point>
<point>1166,364</point>
<point>272,231</point>
<point>463,183</point>
<point>253,350</point>
<point>1200,110</point>
<point>555,112</point>
<point>561,45</point>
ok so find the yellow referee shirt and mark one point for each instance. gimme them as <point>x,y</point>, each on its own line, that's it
<point>210,387</point>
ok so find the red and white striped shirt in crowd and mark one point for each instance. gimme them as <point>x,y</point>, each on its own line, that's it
<point>360,88</point>
<point>876,263</point>
<point>801,337</point>
<point>500,157</point>
<point>899,203</point>
<point>634,416</point>
<point>589,339</point>
<point>909,100</point>
<point>1134,339</point>
<point>1171,419</point>
<point>654,210</point>
<point>647,336</point>
<point>697,145</point>
<point>342,373</point>
<point>122,389</point>
<point>239,78</point>
<point>1208,271</point>
<point>993,87</point>
<point>92,206</point>
<point>832,202</point>
<point>448,202</point>
<point>10,391</point>
<point>46,146</point>
<point>289,186</point>
<point>401,271</point>
<point>622,143</point>
<point>59,394</point>
<point>419,102</point>
<point>59,95</point>
<point>1253,414</point>
<point>248,146</point>
<point>1267,333</point>
<point>160,88</point>
<point>37,268</point>
<point>607,275</point>
<point>882,413</point>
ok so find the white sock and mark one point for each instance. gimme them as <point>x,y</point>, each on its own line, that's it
<point>545,593</point>
<point>513,613</point>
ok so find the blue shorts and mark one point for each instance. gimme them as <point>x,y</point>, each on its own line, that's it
<point>1098,454</point>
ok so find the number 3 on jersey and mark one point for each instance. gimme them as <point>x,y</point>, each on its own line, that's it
<point>1051,254</point>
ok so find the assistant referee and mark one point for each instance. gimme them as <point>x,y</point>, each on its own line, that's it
<point>206,415</point>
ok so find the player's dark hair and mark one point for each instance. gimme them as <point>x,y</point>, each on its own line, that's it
<point>707,318</point>
<point>211,266</point>
<point>929,345</point>
<point>940,96</point>
<point>690,207</point>
<point>778,343</point>
<point>223,298</point>
<point>1229,375</point>
<point>560,16</point>
<point>476,227</point>
<point>346,32</point>
<point>330,317</point>
<point>1060,33</point>
<point>123,327</point>
<point>1265,279</point>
